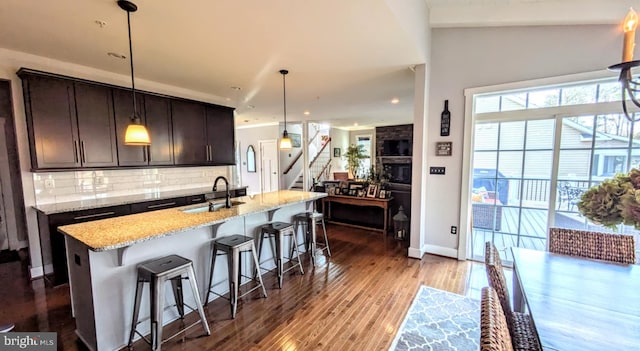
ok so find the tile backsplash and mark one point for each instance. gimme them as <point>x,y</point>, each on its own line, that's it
<point>56,187</point>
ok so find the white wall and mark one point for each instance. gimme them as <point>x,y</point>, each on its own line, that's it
<point>339,139</point>
<point>10,62</point>
<point>473,57</point>
<point>252,136</point>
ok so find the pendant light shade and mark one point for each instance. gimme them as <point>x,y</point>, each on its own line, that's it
<point>285,141</point>
<point>136,133</point>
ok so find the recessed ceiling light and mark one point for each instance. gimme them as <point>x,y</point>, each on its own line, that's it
<point>306,113</point>
<point>116,55</point>
<point>395,100</point>
<point>100,23</point>
<point>236,88</point>
<point>246,121</point>
<point>250,107</point>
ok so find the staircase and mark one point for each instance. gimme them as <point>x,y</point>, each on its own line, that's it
<point>320,165</point>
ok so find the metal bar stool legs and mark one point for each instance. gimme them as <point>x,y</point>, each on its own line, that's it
<point>309,221</point>
<point>276,231</point>
<point>233,246</point>
<point>156,273</point>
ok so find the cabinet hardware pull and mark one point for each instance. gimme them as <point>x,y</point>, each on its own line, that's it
<point>162,205</point>
<point>95,215</point>
<point>148,151</point>
<point>75,151</point>
<point>83,158</point>
<point>144,154</point>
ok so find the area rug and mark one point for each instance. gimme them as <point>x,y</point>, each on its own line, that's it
<point>439,320</point>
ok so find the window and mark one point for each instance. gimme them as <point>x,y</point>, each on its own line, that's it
<point>365,165</point>
<point>536,145</point>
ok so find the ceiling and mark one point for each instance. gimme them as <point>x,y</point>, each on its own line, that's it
<point>347,59</point>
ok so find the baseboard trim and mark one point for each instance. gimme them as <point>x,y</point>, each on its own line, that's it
<point>441,251</point>
<point>36,272</point>
<point>415,253</point>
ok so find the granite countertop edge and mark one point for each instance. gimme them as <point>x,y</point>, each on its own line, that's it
<point>251,206</point>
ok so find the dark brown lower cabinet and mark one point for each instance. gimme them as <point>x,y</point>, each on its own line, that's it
<point>52,242</point>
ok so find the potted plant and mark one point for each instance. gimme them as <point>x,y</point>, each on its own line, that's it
<point>354,155</point>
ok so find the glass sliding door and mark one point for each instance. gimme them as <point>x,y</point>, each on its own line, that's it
<point>512,163</point>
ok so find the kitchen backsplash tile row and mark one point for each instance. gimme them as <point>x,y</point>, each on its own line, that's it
<point>56,187</point>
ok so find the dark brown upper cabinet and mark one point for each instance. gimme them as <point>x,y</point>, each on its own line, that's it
<point>158,119</point>
<point>70,124</point>
<point>75,123</point>
<point>221,143</point>
<point>203,134</point>
<point>155,113</point>
<point>189,133</point>
<point>123,108</point>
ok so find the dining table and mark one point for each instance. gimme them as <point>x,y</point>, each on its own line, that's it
<point>578,303</point>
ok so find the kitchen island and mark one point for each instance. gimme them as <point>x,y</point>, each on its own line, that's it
<point>103,256</point>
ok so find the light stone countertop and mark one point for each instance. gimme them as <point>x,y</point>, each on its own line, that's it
<point>119,232</point>
<point>79,205</point>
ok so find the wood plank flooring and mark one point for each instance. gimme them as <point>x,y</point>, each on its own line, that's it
<point>355,300</point>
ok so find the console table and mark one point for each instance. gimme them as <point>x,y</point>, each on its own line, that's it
<point>359,201</point>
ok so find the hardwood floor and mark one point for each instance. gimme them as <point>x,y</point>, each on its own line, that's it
<point>355,300</point>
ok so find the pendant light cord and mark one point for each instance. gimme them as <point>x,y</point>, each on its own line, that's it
<point>133,84</point>
<point>284,94</point>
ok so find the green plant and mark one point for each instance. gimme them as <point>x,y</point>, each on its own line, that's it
<point>354,156</point>
<point>614,201</point>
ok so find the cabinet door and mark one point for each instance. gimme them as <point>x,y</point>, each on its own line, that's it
<point>220,135</point>
<point>51,118</point>
<point>189,134</point>
<point>96,128</point>
<point>158,120</point>
<point>128,155</point>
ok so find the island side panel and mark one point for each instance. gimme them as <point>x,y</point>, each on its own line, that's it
<point>81,291</point>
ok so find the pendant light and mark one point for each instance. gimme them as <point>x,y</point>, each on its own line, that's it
<point>285,142</point>
<point>136,133</point>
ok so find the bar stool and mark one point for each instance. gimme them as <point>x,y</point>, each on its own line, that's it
<point>309,220</point>
<point>276,231</point>
<point>232,246</point>
<point>156,273</point>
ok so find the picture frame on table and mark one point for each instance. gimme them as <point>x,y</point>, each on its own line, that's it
<point>337,191</point>
<point>382,194</point>
<point>331,190</point>
<point>372,190</point>
<point>361,192</point>
<point>353,192</point>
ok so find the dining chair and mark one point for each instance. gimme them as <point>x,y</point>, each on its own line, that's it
<point>494,332</point>
<point>521,328</point>
<point>619,248</point>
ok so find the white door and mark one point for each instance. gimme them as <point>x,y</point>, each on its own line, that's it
<point>268,166</point>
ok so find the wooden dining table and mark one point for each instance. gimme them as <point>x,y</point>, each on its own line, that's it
<point>578,303</point>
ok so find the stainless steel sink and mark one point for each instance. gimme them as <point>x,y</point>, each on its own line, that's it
<point>206,208</point>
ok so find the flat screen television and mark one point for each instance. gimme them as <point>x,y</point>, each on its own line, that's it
<point>396,147</point>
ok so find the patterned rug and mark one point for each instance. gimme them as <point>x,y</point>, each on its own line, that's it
<point>439,320</point>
